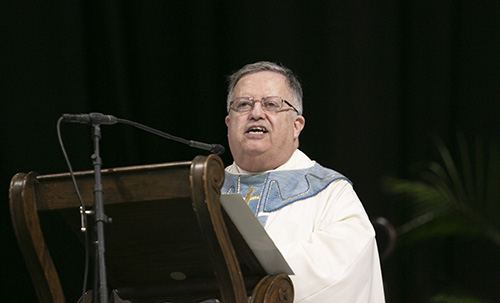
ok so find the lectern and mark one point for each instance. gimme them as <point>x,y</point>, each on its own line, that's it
<point>169,240</point>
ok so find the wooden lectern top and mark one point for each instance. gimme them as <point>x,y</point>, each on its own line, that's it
<point>169,239</point>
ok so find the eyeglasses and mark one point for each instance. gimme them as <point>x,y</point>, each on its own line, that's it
<point>268,104</point>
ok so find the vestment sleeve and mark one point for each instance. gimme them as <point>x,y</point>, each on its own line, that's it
<point>338,261</point>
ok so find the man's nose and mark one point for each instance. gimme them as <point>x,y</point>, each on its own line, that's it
<point>257,110</point>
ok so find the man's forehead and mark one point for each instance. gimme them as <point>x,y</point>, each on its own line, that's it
<point>260,75</point>
<point>262,80</point>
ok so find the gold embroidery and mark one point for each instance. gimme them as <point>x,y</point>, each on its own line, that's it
<point>249,197</point>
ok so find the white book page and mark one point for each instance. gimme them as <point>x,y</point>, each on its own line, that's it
<point>255,235</point>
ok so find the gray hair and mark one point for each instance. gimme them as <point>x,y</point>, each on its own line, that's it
<point>291,79</point>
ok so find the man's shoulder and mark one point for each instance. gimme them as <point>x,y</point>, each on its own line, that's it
<point>287,187</point>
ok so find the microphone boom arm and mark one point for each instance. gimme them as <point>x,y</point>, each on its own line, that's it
<point>213,148</point>
<point>100,119</point>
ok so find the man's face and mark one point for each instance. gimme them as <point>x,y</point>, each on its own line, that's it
<point>261,140</point>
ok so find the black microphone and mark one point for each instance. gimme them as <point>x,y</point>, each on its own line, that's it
<point>92,118</point>
<point>213,148</point>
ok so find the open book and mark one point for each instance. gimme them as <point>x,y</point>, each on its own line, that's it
<point>255,235</point>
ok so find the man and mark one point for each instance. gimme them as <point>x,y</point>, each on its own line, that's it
<point>312,213</point>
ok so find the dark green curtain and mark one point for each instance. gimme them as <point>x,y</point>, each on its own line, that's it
<point>380,80</point>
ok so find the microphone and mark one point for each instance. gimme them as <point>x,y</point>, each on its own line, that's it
<point>213,148</point>
<point>92,118</point>
<point>98,118</point>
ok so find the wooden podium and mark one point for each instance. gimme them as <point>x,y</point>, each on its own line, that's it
<point>169,240</point>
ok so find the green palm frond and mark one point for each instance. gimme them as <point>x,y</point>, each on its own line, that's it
<point>448,298</point>
<point>455,197</point>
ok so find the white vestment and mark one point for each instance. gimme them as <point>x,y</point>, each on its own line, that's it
<point>328,241</point>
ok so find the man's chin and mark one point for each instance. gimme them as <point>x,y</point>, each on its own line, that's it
<point>255,150</point>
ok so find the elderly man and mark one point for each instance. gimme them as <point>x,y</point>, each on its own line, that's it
<point>311,212</point>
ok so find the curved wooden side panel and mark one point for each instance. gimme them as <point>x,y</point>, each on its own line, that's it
<point>29,235</point>
<point>273,289</point>
<point>207,178</point>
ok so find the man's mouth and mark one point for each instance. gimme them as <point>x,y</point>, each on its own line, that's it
<point>257,130</point>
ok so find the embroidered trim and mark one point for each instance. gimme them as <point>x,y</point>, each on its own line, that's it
<point>300,184</point>
<point>300,196</point>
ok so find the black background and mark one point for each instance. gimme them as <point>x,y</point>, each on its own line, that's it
<point>380,79</point>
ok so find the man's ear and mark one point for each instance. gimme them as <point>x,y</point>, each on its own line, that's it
<point>227,120</point>
<point>298,125</point>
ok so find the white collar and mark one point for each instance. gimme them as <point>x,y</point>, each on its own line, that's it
<point>298,160</point>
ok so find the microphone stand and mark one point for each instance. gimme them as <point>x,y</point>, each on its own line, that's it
<point>96,120</point>
<point>100,218</point>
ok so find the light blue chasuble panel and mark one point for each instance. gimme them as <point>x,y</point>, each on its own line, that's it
<point>268,192</point>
